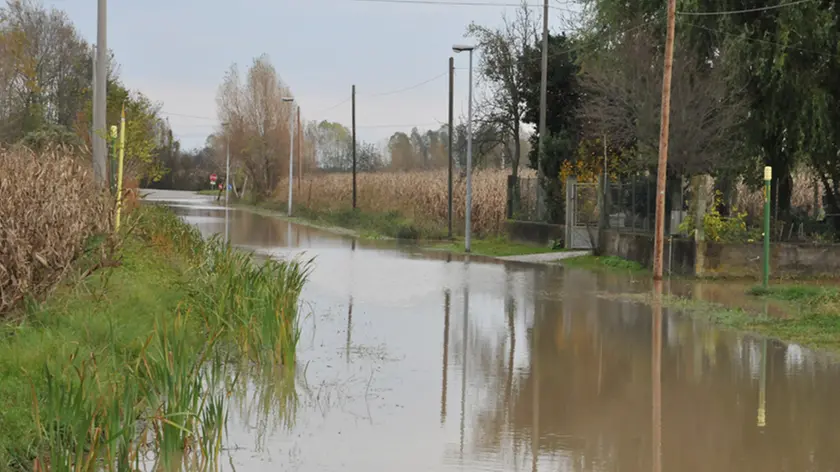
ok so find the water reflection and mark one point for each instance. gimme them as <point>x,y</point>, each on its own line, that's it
<point>547,375</point>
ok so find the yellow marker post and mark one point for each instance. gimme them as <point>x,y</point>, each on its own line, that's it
<point>120,167</point>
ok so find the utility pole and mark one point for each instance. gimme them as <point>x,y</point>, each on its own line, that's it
<point>100,151</point>
<point>543,104</point>
<point>661,177</point>
<point>354,147</point>
<point>451,132</point>
<point>300,150</point>
<point>291,158</point>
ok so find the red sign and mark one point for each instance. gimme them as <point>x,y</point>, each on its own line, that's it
<point>220,186</point>
<point>212,177</point>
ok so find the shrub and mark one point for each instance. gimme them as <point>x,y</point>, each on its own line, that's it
<point>50,211</point>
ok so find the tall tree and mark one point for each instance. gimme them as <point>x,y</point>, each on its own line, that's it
<point>500,67</point>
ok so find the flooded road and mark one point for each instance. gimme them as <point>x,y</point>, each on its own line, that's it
<point>422,361</point>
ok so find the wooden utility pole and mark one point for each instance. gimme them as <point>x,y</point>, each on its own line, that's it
<point>451,132</point>
<point>662,171</point>
<point>354,147</point>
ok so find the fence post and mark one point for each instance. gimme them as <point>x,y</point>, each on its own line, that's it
<point>699,189</point>
<point>570,210</point>
<point>768,175</point>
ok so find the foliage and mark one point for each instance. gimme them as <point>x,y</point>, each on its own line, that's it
<point>133,364</point>
<point>718,228</point>
<point>52,214</point>
<point>45,72</point>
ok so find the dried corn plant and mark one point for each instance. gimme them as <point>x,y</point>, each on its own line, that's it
<point>49,209</point>
<point>419,195</point>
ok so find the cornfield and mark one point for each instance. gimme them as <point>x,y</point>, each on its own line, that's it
<point>49,208</point>
<point>418,195</point>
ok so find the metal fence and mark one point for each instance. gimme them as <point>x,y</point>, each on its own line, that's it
<point>631,204</point>
<point>523,196</point>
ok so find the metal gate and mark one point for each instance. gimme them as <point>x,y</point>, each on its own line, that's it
<point>582,214</point>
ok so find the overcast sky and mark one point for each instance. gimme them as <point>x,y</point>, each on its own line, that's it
<point>177,51</point>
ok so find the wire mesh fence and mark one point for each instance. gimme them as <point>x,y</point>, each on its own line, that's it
<point>523,197</point>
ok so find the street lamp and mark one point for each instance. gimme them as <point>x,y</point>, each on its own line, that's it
<point>291,148</point>
<point>467,224</point>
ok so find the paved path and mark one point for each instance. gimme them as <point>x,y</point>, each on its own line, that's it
<point>547,257</point>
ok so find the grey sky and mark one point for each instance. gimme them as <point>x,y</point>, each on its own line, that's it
<point>177,52</point>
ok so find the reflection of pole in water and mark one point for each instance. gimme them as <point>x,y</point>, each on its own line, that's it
<point>289,234</point>
<point>349,329</point>
<point>535,396</point>
<point>762,386</point>
<point>227,226</point>
<point>656,375</point>
<point>446,300</point>
<point>464,363</point>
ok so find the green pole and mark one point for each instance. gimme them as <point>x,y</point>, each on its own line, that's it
<point>768,175</point>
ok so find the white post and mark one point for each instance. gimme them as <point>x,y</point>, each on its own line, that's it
<point>291,155</point>
<point>227,183</point>
<point>468,222</point>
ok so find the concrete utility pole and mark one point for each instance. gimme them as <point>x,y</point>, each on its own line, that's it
<point>100,151</point>
<point>662,171</point>
<point>543,104</point>
<point>354,147</point>
<point>451,131</point>
<point>468,217</point>
<point>291,151</point>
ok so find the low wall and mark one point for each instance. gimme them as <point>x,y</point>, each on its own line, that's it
<point>639,247</point>
<point>533,232</point>
<point>787,260</point>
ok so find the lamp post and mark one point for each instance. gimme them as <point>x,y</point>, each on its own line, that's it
<point>291,149</point>
<point>468,223</point>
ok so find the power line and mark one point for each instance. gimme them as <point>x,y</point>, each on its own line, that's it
<point>408,125</point>
<point>758,40</point>
<point>333,107</point>
<point>461,3</point>
<point>163,112</point>
<point>748,10</point>
<point>411,87</point>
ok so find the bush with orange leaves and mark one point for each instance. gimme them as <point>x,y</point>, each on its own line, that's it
<point>418,195</point>
<point>50,208</point>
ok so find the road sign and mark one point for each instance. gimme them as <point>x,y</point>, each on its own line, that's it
<point>213,177</point>
<point>220,186</point>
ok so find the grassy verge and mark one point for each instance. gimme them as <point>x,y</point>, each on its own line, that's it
<point>136,360</point>
<point>495,247</point>
<point>813,314</point>
<point>604,263</point>
<point>368,225</point>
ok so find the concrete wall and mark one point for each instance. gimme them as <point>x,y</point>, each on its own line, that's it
<point>639,247</point>
<point>727,260</point>
<point>533,232</point>
<point>786,260</point>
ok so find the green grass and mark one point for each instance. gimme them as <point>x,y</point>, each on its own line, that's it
<point>604,263</point>
<point>813,317</point>
<point>495,247</point>
<point>372,225</point>
<point>134,342</point>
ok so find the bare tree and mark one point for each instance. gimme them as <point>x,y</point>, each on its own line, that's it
<point>623,94</point>
<point>257,121</point>
<point>503,106</point>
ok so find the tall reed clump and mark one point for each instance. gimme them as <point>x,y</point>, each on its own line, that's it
<point>419,195</point>
<point>255,304</point>
<point>51,211</point>
<point>164,405</point>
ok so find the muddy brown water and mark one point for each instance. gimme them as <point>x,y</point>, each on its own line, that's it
<point>423,361</point>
